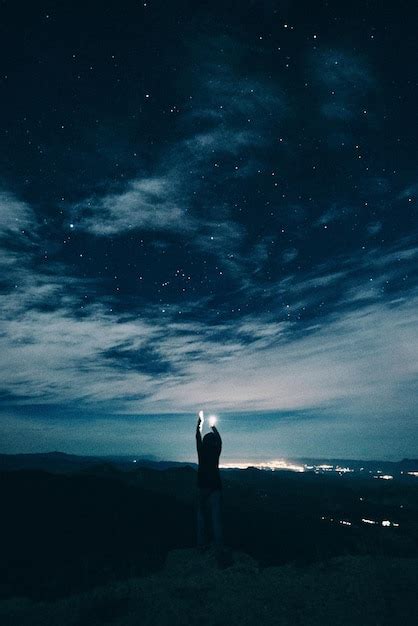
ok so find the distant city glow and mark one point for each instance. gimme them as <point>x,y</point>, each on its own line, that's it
<point>279,464</point>
<point>283,464</point>
<point>386,522</point>
<point>320,468</point>
<point>343,470</point>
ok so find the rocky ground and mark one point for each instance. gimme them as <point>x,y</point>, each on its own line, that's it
<point>192,589</point>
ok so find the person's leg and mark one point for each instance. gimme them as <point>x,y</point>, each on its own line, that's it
<point>216,515</point>
<point>201,532</point>
<point>223,555</point>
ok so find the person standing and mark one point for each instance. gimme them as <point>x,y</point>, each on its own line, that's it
<point>209,499</point>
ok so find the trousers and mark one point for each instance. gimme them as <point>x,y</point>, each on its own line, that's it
<point>209,516</point>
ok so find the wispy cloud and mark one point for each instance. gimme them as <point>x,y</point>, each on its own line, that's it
<point>158,364</point>
<point>16,217</point>
<point>54,351</point>
<point>346,80</point>
<point>229,118</point>
<point>150,204</point>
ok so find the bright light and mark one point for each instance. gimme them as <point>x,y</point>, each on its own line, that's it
<point>201,415</point>
<point>212,420</point>
<point>386,522</point>
<point>279,464</point>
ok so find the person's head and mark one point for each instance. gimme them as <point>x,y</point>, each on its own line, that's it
<point>210,441</point>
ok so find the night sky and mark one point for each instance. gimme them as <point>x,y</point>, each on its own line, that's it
<point>209,205</point>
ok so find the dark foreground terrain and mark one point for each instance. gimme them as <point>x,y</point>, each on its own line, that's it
<point>101,542</point>
<point>191,589</point>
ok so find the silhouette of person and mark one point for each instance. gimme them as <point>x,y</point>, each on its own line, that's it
<point>209,499</point>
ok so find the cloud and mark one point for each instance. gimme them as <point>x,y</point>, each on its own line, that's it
<point>340,69</point>
<point>148,204</point>
<point>16,217</point>
<point>409,192</point>
<point>220,137</point>
<point>158,364</point>
<point>334,214</point>
<point>289,255</point>
<point>346,80</point>
<point>374,227</point>
<point>341,362</point>
<point>357,359</point>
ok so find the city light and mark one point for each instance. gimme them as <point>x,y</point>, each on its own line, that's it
<point>279,464</point>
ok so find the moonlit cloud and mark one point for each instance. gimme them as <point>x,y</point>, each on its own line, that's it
<point>15,216</point>
<point>148,204</point>
<point>52,355</point>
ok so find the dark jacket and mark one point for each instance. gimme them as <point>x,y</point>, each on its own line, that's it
<point>208,452</point>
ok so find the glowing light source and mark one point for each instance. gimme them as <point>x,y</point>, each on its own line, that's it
<point>279,464</point>
<point>212,420</point>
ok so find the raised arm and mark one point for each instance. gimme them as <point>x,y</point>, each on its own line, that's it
<point>198,435</point>
<point>215,430</point>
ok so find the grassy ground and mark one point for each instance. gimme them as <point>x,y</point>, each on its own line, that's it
<point>191,589</point>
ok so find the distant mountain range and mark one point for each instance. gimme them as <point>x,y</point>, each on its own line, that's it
<point>61,462</point>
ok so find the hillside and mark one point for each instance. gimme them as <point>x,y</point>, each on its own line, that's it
<point>67,534</point>
<point>190,590</point>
